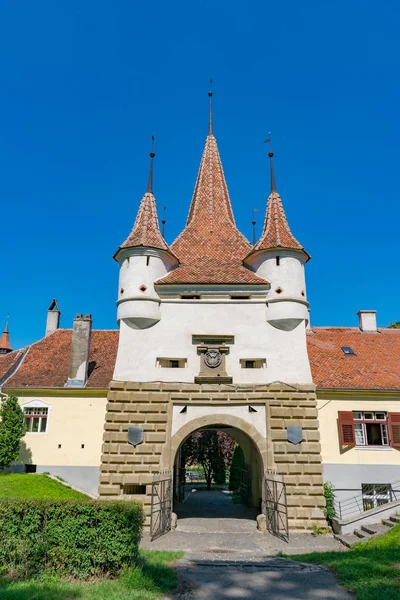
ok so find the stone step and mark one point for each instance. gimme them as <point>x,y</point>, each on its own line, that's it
<point>361,534</point>
<point>388,523</point>
<point>375,528</point>
<point>347,539</point>
<point>395,518</point>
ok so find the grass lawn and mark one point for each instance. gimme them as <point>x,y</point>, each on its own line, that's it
<point>150,580</point>
<point>24,485</point>
<point>370,570</point>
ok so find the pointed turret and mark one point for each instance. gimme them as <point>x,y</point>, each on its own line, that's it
<point>280,258</point>
<point>5,346</point>
<point>146,229</point>
<point>276,232</point>
<point>211,248</point>
<point>143,257</point>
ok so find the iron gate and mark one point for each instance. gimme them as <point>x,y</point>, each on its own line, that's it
<point>245,485</point>
<point>161,504</point>
<point>276,505</point>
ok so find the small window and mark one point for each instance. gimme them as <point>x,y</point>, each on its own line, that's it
<point>171,363</point>
<point>240,297</point>
<point>371,428</point>
<point>376,494</point>
<point>347,350</point>
<point>30,468</point>
<point>279,290</point>
<point>252,363</point>
<point>190,297</point>
<point>278,261</point>
<point>36,419</point>
<point>143,288</point>
<point>147,261</point>
<point>134,489</point>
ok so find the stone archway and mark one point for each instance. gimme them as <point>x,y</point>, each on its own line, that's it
<point>253,444</point>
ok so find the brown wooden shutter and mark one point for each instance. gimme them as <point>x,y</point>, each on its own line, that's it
<point>394,429</point>
<point>346,428</point>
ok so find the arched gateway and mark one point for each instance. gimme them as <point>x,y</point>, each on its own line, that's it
<point>213,333</point>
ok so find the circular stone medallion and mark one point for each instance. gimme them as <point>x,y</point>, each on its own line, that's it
<point>212,358</point>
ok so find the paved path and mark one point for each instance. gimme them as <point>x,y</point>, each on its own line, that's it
<point>275,579</point>
<point>226,558</point>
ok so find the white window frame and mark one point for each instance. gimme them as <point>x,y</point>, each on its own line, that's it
<point>38,404</point>
<point>361,430</point>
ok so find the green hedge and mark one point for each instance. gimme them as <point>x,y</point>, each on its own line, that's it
<point>75,538</point>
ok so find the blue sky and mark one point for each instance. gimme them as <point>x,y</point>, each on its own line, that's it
<point>85,84</point>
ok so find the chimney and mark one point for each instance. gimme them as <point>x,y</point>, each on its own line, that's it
<point>80,348</point>
<point>367,320</point>
<point>53,317</point>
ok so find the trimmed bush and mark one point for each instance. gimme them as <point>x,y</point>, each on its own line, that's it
<point>238,463</point>
<point>75,538</point>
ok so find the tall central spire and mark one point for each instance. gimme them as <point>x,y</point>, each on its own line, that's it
<point>210,123</point>
<point>210,248</point>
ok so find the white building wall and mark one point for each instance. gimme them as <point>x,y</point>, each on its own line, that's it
<point>285,351</point>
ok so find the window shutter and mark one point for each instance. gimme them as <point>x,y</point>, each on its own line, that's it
<point>394,428</point>
<point>346,428</point>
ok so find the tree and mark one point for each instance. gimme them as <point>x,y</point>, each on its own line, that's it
<point>395,325</point>
<point>12,429</point>
<point>238,464</point>
<point>211,449</point>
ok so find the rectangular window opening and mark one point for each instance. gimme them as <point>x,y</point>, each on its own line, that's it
<point>134,489</point>
<point>278,261</point>
<point>240,297</point>
<point>171,363</point>
<point>147,261</point>
<point>376,494</point>
<point>253,363</point>
<point>371,428</point>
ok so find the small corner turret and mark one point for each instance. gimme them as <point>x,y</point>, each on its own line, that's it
<point>5,346</point>
<point>280,258</point>
<point>143,257</point>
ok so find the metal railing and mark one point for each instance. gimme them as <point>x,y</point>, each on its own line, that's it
<point>371,496</point>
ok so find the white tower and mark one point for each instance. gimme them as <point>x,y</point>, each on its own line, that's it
<point>280,258</point>
<point>144,257</point>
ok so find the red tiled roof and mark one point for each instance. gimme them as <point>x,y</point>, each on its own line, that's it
<point>210,248</point>
<point>276,232</point>
<point>375,365</point>
<point>46,363</point>
<point>146,229</point>
<point>5,339</point>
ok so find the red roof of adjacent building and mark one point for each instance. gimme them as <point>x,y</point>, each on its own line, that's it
<point>211,249</point>
<point>375,363</point>
<point>374,366</point>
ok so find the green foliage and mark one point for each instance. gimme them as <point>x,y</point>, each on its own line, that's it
<point>317,530</point>
<point>212,450</point>
<point>75,538</point>
<point>238,463</point>
<point>329,493</point>
<point>395,325</point>
<point>12,429</point>
<point>24,485</point>
<point>149,579</point>
<point>370,569</point>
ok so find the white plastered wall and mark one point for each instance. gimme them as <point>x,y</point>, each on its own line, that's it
<point>285,351</point>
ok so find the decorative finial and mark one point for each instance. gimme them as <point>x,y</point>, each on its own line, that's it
<point>254,222</point>
<point>210,123</point>
<point>152,155</point>
<point>163,223</point>
<point>271,164</point>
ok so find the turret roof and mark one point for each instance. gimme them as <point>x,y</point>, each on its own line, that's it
<point>276,231</point>
<point>5,340</point>
<point>211,249</point>
<point>146,229</point>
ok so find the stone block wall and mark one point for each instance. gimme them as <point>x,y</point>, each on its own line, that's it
<point>150,405</point>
